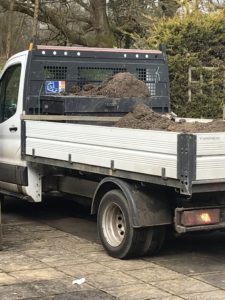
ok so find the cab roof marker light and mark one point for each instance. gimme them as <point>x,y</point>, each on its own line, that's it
<point>30,47</point>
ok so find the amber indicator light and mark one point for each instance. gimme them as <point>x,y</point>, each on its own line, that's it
<point>200,217</point>
<point>30,47</point>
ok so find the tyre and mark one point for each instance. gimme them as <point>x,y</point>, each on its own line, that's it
<point>2,200</point>
<point>115,229</point>
<point>155,237</point>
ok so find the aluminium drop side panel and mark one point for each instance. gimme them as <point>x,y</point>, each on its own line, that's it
<point>210,160</point>
<point>134,150</point>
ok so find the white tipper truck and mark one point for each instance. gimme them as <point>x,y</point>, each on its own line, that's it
<point>138,182</point>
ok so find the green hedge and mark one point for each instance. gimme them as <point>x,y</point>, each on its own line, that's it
<point>194,41</point>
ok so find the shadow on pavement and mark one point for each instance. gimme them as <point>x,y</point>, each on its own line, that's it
<point>75,219</point>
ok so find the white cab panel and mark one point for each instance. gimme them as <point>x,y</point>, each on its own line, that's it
<point>10,147</point>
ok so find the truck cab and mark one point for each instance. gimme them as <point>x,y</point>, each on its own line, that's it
<point>13,173</point>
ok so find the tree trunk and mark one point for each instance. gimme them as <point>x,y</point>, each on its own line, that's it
<point>35,21</point>
<point>9,31</point>
<point>103,33</point>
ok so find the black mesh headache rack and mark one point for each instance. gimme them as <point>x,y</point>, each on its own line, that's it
<point>53,71</point>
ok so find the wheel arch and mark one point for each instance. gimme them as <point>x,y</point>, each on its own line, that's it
<point>144,209</point>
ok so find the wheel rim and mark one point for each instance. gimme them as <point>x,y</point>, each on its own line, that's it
<point>113,225</point>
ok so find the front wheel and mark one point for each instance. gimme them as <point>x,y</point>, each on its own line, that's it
<point>115,230</point>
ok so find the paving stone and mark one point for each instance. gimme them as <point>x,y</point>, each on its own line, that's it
<point>55,246</point>
<point>89,295</point>
<point>216,279</point>
<point>40,274</point>
<point>34,235</point>
<point>6,279</point>
<point>67,225</point>
<point>17,291</point>
<point>17,262</point>
<point>16,219</point>
<point>122,265</point>
<point>16,245</point>
<point>110,279</point>
<point>183,285</point>
<point>27,228</point>
<point>84,248</point>
<point>170,298</point>
<point>98,256</point>
<point>136,292</point>
<point>81,295</point>
<point>195,265</point>
<point>174,254</point>
<point>71,239</point>
<point>87,248</point>
<point>46,298</point>
<point>62,243</point>
<point>54,257</point>
<point>48,253</point>
<point>82,270</point>
<point>153,273</point>
<point>214,295</point>
<point>190,245</point>
<point>71,259</point>
<point>58,286</point>
<point>72,243</point>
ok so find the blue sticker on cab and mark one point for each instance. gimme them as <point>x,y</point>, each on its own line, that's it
<point>55,87</point>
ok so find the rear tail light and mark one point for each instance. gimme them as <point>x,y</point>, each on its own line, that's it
<point>200,217</point>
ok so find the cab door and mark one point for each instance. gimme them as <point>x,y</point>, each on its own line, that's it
<point>12,169</point>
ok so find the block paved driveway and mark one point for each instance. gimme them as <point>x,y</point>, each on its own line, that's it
<point>47,246</point>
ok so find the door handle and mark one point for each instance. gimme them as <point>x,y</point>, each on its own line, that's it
<point>13,128</point>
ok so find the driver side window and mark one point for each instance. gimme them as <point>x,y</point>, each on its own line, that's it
<point>9,90</point>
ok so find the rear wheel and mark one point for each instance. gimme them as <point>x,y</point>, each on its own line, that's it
<point>117,235</point>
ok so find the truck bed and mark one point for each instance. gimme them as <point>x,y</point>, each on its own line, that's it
<point>184,161</point>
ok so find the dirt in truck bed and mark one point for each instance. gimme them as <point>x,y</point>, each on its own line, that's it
<point>144,117</point>
<point>126,85</point>
<point>121,85</point>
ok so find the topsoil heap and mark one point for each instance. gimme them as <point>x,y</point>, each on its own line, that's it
<point>126,85</point>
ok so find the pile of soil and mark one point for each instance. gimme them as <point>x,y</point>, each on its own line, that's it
<point>144,117</point>
<point>121,85</point>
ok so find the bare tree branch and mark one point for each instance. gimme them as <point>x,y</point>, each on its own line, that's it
<point>72,18</point>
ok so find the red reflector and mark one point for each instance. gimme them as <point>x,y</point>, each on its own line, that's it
<point>200,217</point>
